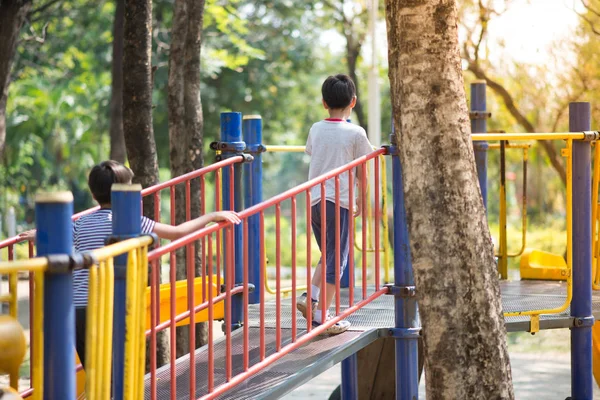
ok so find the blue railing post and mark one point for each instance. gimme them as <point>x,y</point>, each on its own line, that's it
<point>407,323</point>
<point>126,202</point>
<point>581,305</point>
<point>349,387</point>
<point>252,129</point>
<point>55,236</point>
<point>479,117</point>
<point>231,137</point>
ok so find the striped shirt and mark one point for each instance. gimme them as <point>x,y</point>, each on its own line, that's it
<point>90,233</point>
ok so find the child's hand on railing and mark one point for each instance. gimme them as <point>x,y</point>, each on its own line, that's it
<point>358,210</point>
<point>230,216</point>
<point>27,235</point>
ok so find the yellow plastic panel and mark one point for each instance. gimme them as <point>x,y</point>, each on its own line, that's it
<point>541,265</point>
<point>181,302</point>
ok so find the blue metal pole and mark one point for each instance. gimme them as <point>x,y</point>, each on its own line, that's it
<point>407,323</point>
<point>252,128</point>
<point>581,306</point>
<point>55,236</point>
<point>479,117</point>
<point>231,133</point>
<point>126,202</point>
<point>350,378</point>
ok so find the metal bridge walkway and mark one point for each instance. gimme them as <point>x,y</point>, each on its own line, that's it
<point>310,360</point>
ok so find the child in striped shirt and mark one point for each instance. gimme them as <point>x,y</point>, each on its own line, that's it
<point>91,230</point>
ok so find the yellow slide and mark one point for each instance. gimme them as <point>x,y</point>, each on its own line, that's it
<point>541,265</point>
<point>181,302</point>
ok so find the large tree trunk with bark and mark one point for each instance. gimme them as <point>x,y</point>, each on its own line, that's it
<point>117,140</point>
<point>466,354</point>
<point>12,16</point>
<point>185,131</point>
<point>137,114</point>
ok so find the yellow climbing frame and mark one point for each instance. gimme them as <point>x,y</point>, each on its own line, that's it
<point>100,318</point>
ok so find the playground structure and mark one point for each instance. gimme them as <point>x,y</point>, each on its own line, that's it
<point>266,351</point>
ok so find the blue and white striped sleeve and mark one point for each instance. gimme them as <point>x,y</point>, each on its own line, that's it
<point>147,225</point>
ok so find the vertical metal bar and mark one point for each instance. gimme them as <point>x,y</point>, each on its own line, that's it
<point>337,245</point>
<point>218,207</point>
<point>278,277</point>
<point>377,218</point>
<point>350,266</point>
<point>231,132</point>
<point>293,268</point>
<point>405,308</point>
<point>503,254</point>
<point>323,306</point>
<point>156,301</point>
<point>263,260</point>
<point>211,345</point>
<point>205,285</point>
<point>32,326</point>
<point>154,287</point>
<point>126,203</point>
<point>581,306</point>
<point>479,125</point>
<point>309,316</point>
<point>362,194</point>
<point>252,129</point>
<point>55,236</point>
<point>350,378</point>
<point>172,311</point>
<point>246,347</point>
<point>191,276</point>
<point>228,306</point>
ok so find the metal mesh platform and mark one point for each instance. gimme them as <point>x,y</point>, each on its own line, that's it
<point>321,353</point>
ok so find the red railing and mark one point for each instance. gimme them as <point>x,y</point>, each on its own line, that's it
<point>155,191</point>
<point>219,261</point>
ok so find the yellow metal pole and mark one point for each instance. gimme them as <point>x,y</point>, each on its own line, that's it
<point>38,338</point>
<point>502,259</point>
<point>569,282</point>
<point>595,184</point>
<point>92,331</point>
<point>534,136</point>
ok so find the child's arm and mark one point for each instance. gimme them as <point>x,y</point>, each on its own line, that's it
<point>359,185</point>
<point>170,232</point>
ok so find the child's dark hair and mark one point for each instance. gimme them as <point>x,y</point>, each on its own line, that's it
<point>102,177</point>
<point>338,91</point>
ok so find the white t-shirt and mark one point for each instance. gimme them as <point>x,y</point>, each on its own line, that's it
<point>333,144</point>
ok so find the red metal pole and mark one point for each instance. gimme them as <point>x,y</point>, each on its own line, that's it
<point>191,274</point>
<point>219,233</point>
<point>156,297</point>
<point>262,290</point>
<point>337,245</point>
<point>246,348</point>
<point>173,282</point>
<point>293,267</point>
<point>211,347</point>
<point>350,265</point>
<point>363,179</point>
<point>203,250</point>
<point>228,284</point>
<point>323,253</point>
<point>153,323</point>
<point>378,217</point>
<point>278,277</point>
<point>308,263</point>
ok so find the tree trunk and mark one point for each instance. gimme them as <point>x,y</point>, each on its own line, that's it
<point>185,130</point>
<point>137,114</point>
<point>352,53</point>
<point>117,140</point>
<point>466,354</point>
<point>12,16</point>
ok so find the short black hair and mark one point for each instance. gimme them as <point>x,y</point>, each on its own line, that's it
<point>102,177</point>
<point>338,91</point>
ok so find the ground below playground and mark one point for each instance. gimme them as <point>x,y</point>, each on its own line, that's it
<point>541,369</point>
